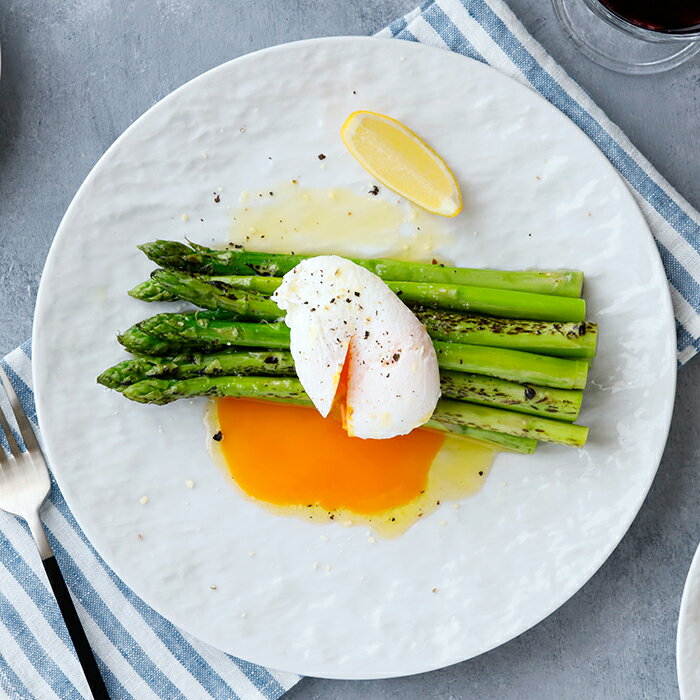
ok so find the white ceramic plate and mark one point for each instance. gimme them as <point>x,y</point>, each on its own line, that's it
<point>688,637</point>
<point>538,194</point>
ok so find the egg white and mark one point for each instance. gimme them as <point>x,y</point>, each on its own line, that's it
<point>338,311</point>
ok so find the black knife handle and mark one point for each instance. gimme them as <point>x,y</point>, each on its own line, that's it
<point>75,630</point>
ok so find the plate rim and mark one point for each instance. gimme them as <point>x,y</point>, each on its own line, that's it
<point>693,572</point>
<point>665,300</point>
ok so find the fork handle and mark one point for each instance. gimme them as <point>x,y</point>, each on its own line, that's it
<point>75,629</point>
<point>39,535</point>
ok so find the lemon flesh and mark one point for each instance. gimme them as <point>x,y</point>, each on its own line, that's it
<point>402,161</point>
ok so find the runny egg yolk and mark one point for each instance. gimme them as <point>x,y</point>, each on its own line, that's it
<point>291,456</point>
<point>294,461</point>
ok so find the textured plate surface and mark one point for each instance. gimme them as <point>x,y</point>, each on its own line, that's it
<point>537,194</point>
<point>688,639</point>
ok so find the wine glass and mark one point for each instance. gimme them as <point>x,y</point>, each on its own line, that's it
<point>633,36</point>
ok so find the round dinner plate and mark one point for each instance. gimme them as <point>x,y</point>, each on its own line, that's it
<point>688,637</point>
<point>538,194</point>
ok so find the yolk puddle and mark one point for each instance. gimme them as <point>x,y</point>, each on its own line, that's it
<point>294,462</point>
<point>312,459</point>
<point>338,220</point>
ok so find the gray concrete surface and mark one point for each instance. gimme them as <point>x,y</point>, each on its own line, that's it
<point>76,73</point>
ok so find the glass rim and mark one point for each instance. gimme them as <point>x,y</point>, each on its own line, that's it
<point>611,17</point>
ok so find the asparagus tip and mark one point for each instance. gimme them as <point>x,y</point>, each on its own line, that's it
<point>105,380</point>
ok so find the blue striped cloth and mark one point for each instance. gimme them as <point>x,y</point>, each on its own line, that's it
<point>142,655</point>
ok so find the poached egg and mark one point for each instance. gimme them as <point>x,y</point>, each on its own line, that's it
<point>355,344</point>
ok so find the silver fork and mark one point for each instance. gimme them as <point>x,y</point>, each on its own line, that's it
<point>24,486</point>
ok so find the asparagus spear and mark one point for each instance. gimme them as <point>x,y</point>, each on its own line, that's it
<point>150,290</point>
<point>177,281</point>
<point>258,283</point>
<point>481,300</point>
<point>514,365</point>
<point>196,258</point>
<point>523,398</point>
<point>519,424</point>
<point>162,391</point>
<point>193,258</point>
<point>507,442</point>
<point>494,302</point>
<point>542,337</point>
<point>267,362</point>
<point>136,341</point>
<point>139,342</point>
<point>555,403</point>
<point>194,328</point>
<point>216,295</point>
<point>197,329</point>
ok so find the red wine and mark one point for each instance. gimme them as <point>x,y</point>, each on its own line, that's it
<point>669,16</point>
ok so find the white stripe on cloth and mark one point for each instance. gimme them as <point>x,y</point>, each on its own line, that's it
<point>481,41</point>
<point>110,656</point>
<point>685,354</point>
<point>685,313</point>
<point>231,672</point>
<point>32,680</point>
<point>53,645</point>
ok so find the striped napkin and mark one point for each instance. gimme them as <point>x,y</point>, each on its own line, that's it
<point>142,655</point>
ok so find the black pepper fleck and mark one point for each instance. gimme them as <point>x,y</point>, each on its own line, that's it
<point>374,190</point>
<point>321,156</point>
<point>218,436</point>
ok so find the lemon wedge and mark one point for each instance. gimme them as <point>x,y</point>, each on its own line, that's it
<point>402,161</point>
